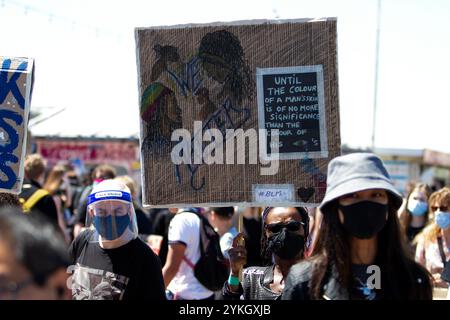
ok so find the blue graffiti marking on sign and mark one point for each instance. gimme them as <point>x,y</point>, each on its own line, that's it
<point>11,85</point>
<point>223,120</point>
<point>190,80</point>
<point>7,149</point>
<point>6,169</point>
<point>309,166</point>
<point>13,136</point>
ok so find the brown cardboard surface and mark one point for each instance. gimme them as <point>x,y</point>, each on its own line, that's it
<point>215,73</point>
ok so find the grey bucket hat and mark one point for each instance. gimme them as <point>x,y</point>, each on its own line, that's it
<point>356,172</point>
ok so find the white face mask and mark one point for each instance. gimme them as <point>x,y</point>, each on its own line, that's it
<point>417,207</point>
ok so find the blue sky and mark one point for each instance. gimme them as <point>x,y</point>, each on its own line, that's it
<point>85,61</point>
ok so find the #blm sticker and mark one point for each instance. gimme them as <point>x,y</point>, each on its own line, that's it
<point>273,193</point>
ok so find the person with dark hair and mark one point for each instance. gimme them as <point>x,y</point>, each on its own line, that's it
<point>75,189</point>
<point>100,173</point>
<point>159,108</point>
<point>283,244</point>
<point>315,220</point>
<point>33,258</point>
<point>251,228</point>
<point>184,252</point>
<point>359,254</point>
<point>223,59</point>
<point>159,237</point>
<point>164,55</point>
<point>222,221</point>
<point>9,200</point>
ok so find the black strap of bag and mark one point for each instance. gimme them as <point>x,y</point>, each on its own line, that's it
<point>441,250</point>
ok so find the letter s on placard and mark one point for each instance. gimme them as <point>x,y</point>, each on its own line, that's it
<point>7,150</point>
<point>8,172</point>
<point>12,133</point>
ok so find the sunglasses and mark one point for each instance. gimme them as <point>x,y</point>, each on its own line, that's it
<point>441,208</point>
<point>291,226</point>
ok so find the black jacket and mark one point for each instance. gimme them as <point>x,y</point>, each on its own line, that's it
<point>80,216</point>
<point>255,285</point>
<point>45,207</point>
<point>297,284</point>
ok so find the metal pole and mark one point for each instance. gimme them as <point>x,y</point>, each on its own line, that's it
<point>241,229</point>
<point>47,118</point>
<point>375,93</point>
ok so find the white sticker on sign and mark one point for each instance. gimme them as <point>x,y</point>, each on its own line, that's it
<point>273,193</point>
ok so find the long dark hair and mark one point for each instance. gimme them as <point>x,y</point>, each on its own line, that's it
<point>398,271</point>
<point>266,254</point>
<point>222,48</point>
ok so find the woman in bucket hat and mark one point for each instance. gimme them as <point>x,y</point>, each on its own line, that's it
<point>359,253</point>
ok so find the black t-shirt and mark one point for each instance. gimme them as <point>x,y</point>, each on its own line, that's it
<point>412,232</point>
<point>161,227</point>
<point>143,222</point>
<point>445,275</point>
<point>131,271</point>
<point>361,289</point>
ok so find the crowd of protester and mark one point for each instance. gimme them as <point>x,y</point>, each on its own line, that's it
<point>89,238</point>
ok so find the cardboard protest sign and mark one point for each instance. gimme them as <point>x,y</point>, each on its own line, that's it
<point>15,93</point>
<point>238,113</point>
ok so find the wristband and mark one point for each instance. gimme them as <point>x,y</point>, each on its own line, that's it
<point>233,281</point>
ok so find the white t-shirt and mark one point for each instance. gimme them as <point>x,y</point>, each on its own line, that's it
<point>428,254</point>
<point>185,228</point>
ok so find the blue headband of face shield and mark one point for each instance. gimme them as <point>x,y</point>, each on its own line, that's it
<point>109,195</point>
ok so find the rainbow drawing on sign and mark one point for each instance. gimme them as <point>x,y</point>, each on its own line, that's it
<point>152,99</point>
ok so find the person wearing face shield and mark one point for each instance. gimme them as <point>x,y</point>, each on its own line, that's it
<point>110,261</point>
<point>284,237</point>
<point>359,254</point>
<point>100,173</point>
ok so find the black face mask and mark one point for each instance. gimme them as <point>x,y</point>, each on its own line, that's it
<point>286,244</point>
<point>364,219</point>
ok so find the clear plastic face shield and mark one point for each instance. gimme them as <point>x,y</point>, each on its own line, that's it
<point>111,214</point>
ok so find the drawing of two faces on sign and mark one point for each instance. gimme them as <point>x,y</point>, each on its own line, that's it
<point>217,73</point>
